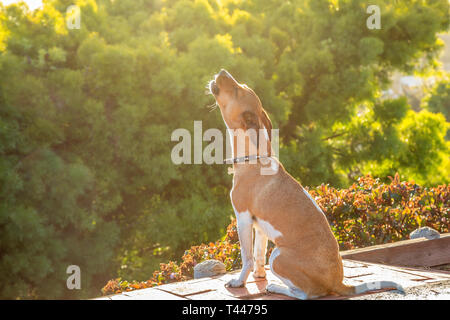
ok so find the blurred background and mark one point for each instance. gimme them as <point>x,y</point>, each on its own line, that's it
<point>86,116</point>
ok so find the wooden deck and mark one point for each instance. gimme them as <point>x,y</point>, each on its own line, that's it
<point>361,265</point>
<point>355,272</point>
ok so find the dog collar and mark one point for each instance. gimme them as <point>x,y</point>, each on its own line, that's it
<point>244,159</point>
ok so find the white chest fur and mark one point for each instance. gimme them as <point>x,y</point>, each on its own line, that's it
<point>245,217</point>
<point>267,229</point>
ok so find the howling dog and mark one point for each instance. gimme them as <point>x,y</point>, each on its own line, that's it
<point>306,258</point>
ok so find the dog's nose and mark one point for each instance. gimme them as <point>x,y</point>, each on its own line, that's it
<point>224,73</point>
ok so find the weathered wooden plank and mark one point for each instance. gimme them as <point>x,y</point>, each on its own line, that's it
<point>355,272</point>
<point>186,288</point>
<point>409,253</point>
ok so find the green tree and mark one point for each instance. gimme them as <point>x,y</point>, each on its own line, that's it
<point>439,99</point>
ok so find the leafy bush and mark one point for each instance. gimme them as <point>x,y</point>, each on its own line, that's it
<point>370,212</point>
<point>226,250</point>
<point>367,213</point>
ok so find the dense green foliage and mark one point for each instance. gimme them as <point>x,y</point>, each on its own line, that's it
<point>439,99</point>
<point>86,117</point>
<point>369,212</point>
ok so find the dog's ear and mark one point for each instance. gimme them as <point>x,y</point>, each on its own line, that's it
<point>267,123</point>
<point>250,121</point>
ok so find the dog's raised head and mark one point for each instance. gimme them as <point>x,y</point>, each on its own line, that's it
<point>241,108</point>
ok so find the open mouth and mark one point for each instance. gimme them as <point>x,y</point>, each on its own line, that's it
<point>213,87</point>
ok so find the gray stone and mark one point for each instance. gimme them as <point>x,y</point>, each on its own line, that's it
<point>425,232</point>
<point>208,268</point>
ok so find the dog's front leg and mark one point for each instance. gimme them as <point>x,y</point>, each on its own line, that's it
<point>245,233</point>
<point>260,253</point>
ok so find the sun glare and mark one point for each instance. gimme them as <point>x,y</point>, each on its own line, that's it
<point>32,4</point>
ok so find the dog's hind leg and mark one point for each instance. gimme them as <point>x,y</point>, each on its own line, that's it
<point>259,254</point>
<point>291,292</point>
<point>277,263</point>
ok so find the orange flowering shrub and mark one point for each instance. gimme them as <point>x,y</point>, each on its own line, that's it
<point>226,251</point>
<point>370,212</point>
<point>367,213</point>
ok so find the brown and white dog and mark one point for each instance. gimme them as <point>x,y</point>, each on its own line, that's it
<point>306,257</point>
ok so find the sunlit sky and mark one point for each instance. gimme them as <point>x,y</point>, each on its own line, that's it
<point>32,4</point>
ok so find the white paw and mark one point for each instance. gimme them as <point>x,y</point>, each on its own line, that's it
<point>272,287</point>
<point>235,283</point>
<point>259,273</point>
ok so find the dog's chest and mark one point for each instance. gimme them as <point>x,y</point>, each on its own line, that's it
<point>268,229</point>
<point>246,217</point>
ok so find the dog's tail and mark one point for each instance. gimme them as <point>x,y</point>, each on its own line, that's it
<point>344,289</point>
